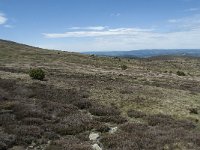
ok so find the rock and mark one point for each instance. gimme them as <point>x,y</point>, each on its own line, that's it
<point>93,136</point>
<point>96,147</point>
<point>31,147</point>
<point>113,130</point>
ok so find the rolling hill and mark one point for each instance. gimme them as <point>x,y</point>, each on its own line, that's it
<point>90,102</point>
<point>148,53</point>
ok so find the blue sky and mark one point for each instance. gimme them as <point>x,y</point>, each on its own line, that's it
<point>87,25</point>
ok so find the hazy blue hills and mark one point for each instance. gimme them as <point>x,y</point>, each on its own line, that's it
<point>148,53</point>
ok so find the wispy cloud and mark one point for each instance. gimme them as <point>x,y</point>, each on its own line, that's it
<point>3,19</point>
<point>115,14</point>
<point>173,20</point>
<point>8,26</point>
<point>186,23</point>
<point>97,33</point>
<point>89,28</point>
<point>183,33</point>
<point>191,9</point>
<point>139,40</point>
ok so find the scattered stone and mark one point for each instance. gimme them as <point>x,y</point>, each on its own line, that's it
<point>93,136</point>
<point>96,147</point>
<point>113,130</point>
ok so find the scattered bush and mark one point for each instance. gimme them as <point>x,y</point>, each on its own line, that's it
<point>180,73</point>
<point>38,74</point>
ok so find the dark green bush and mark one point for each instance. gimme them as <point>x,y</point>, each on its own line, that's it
<point>124,67</point>
<point>193,111</point>
<point>180,73</point>
<point>38,74</point>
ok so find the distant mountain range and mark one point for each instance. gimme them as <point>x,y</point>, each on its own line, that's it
<point>147,53</point>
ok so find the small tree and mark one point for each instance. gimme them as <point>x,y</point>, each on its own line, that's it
<point>37,74</point>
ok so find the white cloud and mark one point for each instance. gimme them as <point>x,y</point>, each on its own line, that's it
<point>3,19</point>
<point>183,33</point>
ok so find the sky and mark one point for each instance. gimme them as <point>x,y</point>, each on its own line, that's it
<point>102,25</point>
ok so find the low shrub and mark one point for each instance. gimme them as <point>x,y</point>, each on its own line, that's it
<point>6,141</point>
<point>58,109</point>
<point>51,135</point>
<point>113,119</point>
<point>102,128</point>
<point>37,73</point>
<point>193,111</point>
<point>134,127</point>
<point>7,119</point>
<point>25,134</point>
<point>126,91</point>
<point>180,73</point>
<point>141,136</point>
<point>167,121</point>
<point>32,121</point>
<point>28,111</point>
<point>135,114</point>
<point>69,143</point>
<point>82,104</point>
<point>100,110</point>
<point>73,124</point>
<point>124,67</point>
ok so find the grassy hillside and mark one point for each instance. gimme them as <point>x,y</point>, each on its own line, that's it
<point>148,103</point>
